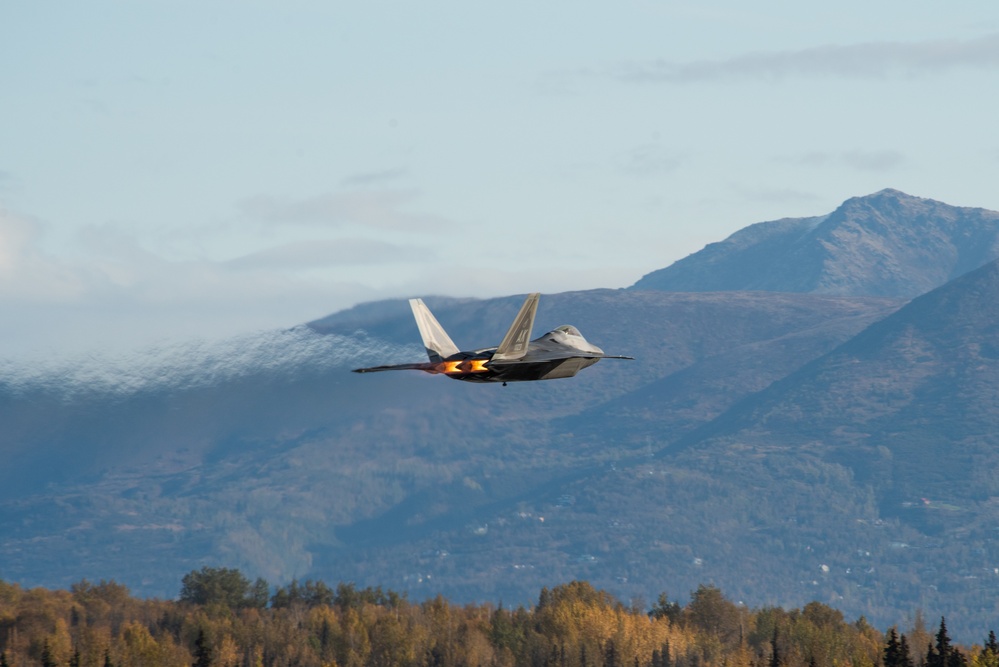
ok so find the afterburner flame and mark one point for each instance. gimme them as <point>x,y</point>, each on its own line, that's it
<point>461,367</point>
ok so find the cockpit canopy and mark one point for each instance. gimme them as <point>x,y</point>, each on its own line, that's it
<point>568,336</point>
<point>568,330</point>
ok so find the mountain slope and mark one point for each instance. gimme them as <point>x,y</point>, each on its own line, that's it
<point>910,402</point>
<point>884,244</point>
<point>865,479</point>
<point>304,469</point>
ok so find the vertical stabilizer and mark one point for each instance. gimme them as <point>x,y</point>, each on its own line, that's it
<point>439,345</point>
<point>514,345</point>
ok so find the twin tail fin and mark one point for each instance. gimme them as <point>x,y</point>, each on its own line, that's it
<point>438,344</point>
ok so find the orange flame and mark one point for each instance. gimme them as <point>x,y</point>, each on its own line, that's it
<point>461,367</point>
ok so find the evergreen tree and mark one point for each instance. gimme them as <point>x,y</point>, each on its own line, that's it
<point>775,659</point>
<point>552,658</point>
<point>943,640</point>
<point>934,656</point>
<point>943,654</point>
<point>989,657</point>
<point>107,658</point>
<point>663,608</point>
<point>610,654</point>
<point>502,631</point>
<point>259,594</point>
<point>712,613</point>
<point>893,650</point>
<point>202,651</point>
<point>3,659</point>
<point>47,659</point>
<point>221,585</point>
<point>896,653</point>
<point>74,661</point>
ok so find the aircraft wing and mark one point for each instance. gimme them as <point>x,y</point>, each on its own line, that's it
<point>515,343</point>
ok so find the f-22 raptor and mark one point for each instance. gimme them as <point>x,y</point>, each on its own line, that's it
<point>560,353</point>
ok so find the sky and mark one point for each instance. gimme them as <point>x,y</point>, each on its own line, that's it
<point>187,170</point>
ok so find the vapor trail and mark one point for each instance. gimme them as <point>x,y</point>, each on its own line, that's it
<point>197,363</point>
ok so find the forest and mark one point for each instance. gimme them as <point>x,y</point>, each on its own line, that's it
<point>222,618</point>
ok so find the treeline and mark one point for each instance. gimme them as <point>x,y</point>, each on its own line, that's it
<point>223,619</point>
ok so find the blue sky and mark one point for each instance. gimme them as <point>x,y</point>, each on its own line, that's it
<point>205,169</point>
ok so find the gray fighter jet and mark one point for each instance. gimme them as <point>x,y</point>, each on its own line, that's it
<point>560,353</point>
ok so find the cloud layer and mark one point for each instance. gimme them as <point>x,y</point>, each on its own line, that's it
<point>329,253</point>
<point>872,60</point>
<point>862,160</point>
<point>376,209</point>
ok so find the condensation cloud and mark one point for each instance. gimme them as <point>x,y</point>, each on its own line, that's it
<point>199,363</point>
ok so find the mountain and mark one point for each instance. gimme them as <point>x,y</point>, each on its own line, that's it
<point>864,479</point>
<point>868,473</point>
<point>784,446</point>
<point>885,244</point>
<point>285,464</point>
<point>909,404</point>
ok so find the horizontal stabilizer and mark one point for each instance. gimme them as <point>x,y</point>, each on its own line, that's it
<point>514,345</point>
<point>399,367</point>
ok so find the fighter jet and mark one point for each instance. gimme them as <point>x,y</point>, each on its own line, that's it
<point>560,353</point>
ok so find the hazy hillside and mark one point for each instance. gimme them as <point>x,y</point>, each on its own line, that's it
<point>288,465</point>
<point>885,244</point>
<point>866,479</point>
<point>909,404</point>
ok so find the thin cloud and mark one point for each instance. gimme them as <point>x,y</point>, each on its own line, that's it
<point>376,209</point>
<point>873,60</point>
<point>26,272</point>
<point>329,253</point>
<point>649,160</point>
<point>375,177</point>
<point>779,196</point>
<point>861,160</point>
<point>111,292</point>
<point>874,160</point>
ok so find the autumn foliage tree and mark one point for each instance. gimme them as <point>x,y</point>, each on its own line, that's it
<point>220,621</point>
